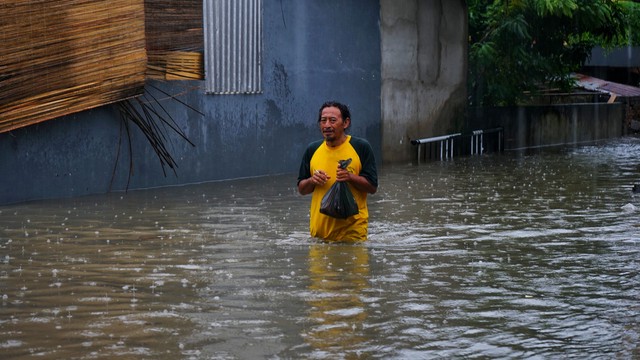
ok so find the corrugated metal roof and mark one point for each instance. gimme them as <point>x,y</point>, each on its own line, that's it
<point>595,84</point>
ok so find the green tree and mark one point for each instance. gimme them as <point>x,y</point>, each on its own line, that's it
<point>518,47</point>
<point>632,19</point>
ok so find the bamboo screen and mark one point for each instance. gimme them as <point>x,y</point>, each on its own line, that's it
<point>174,39</point>
<point>64,56</point>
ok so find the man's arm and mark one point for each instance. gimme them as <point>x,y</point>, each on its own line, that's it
<point>306,186</point>
<point>306,183</point>
<point>367,179</point>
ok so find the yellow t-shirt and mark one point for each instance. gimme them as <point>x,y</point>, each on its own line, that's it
<point>319,156</point>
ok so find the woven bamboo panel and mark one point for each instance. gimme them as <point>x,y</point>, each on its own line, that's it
<point>175,42</point>
<point>175,65</point>
<point>64,56</point>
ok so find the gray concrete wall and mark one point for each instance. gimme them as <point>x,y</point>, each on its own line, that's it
<point>314,51</point>
<point>628,57</point>
<point>424,64</point>
<point>530,127</point>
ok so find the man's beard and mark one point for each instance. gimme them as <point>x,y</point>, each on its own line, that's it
<point>329,136</point>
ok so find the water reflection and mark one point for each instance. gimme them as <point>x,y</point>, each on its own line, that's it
<point>509,256</point>
<point>338,274</point>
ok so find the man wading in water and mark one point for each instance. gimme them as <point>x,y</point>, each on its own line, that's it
<point>320,169</point>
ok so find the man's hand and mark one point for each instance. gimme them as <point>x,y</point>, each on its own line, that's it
<point>359,182</point>
<point>343,174</point>
<point>318,178</point>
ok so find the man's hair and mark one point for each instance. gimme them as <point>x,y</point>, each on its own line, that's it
<point>344,109</point>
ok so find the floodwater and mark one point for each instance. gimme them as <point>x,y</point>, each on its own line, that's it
<point>500,256</point>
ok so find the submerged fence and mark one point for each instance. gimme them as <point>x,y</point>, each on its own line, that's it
<point>446,146</point>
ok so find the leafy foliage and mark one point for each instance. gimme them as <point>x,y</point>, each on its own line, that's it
<point>632,19</point>
<point>519,47</point>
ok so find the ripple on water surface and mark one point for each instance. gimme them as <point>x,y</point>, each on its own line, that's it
<point>501,256</point>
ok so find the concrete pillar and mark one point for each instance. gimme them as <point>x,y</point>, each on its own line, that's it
<point>424,64</point>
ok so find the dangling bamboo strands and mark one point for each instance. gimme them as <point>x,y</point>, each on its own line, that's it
<point>155,122</point>
<point>64,56</point>
<point>175,42</point>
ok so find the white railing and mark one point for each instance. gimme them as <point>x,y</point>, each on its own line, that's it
<point>445,143</point>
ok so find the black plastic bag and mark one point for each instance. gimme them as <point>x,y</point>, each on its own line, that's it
<point>338,202</point>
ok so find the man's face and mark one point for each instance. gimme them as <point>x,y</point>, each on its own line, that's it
<point>332,124</point>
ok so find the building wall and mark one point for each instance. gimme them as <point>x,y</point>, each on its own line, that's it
<point>424,64</point>
<point>313,51</point>
<point>529,127</point>
<point>628,57</point>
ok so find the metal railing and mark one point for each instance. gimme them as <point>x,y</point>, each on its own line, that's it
<point>445,143</point>
<point>477,137</point>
